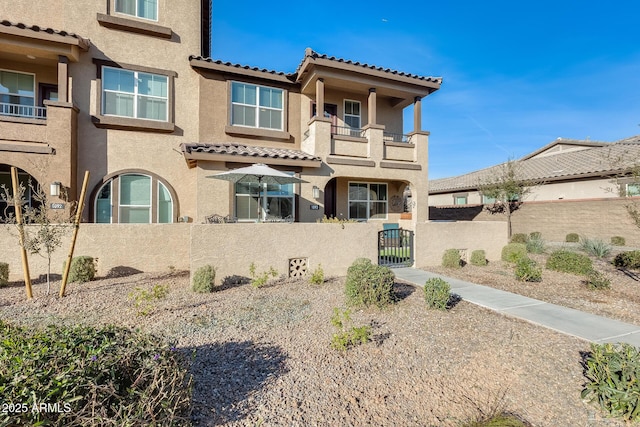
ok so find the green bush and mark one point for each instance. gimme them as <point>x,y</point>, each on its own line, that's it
<point>348,335</point>
<point>144,299</point>
<point>451,259</point>
<point>569,262</point>
<point>259,280</point>
<point>628,259</point>
<point>536,245</point>
<point>479,257</point>
<point>595,247</point>
<point>597,280</point>
<point>536,235</point>
<point>501,419</point>
<point>437,293</point>
<point>618,241</point>
<point>527,270</point>
<point>204,279</point>
<point>514,251</point>
<point>369,284</point>
<point>83,269</point>
<point>613,379</point>
<point>98,376</point>
<point>4,274</point>
<point>572,238</point>
<point>317,277</point>
<point>518,238</point>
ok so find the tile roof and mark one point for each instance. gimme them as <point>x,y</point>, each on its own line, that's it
<point>249,151</point>
<point>238,66</point>
<point>604,159</point>
<point>84,42</point>
<point>310,53</point>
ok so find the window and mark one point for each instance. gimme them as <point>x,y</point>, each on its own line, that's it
<point>257,106</point>
<point>460,200</point>
<point>367,201</point>
<point>632,190</point>
<point>264,201</point>
<point>134,94</point>
<point>352,114</point>
<point>137,194</point>
<point>147,9</point>
<point>486,200</point>
<point>17,94</point>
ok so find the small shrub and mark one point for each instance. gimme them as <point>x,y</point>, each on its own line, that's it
<point>451,259</point>
<point>572,238</point>
<point>317,277</point>
<point>628,259</point>
<point>518,238</point>
<point>514,251</point>
<point>618,241</point>
<point>144,299</point>
<point>479,258</point>
<point>569,262</point>
<point>437,293</point>
<point>100,376</point>
<point>527,270</point>
<point>4,274</point>
<point>259,280</point>
<point>613,379</point>
<point>369,284</point>
<point>83,269</point>
<point>204,279</point>
<point>348,335</point>
<point>597,280</point>
<point>536,235</point>
<point>502,419</point>
<point>536,245</point>
<point>595,247</point>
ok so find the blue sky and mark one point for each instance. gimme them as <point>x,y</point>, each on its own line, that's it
<point>517,75</point>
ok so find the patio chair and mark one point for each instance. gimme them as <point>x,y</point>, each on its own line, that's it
<point>230,219</point>
<point>214,219</point>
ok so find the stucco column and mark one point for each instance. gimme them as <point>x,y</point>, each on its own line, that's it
<point>372,106</point>
<point>63,79</point>
<point>320,98</point>
<point>417,114</point>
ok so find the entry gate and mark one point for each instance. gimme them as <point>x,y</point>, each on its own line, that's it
<point>395,247</point>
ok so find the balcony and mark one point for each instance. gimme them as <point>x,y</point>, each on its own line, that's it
<point>23,111</point>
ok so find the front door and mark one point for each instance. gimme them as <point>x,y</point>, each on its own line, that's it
<point>330,198</point>
<point>330,112</point>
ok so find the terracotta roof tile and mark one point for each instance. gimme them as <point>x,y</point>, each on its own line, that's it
<point>235,65</point>
<point>37,28</point>
<point>604,159</point>
<point>249,151</point>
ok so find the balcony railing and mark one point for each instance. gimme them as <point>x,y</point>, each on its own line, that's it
<point>26,111</point>
<point>347,131</point>
<point>395,137</point>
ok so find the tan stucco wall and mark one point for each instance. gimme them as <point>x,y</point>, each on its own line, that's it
<point>105,151</point>
<point>434,238</point>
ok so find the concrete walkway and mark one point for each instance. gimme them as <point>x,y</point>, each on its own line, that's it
<point>565,320</point>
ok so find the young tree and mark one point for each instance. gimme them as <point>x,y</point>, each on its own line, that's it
<point>508,187</point>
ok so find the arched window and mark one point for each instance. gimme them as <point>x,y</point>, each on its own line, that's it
<point>134,198</point>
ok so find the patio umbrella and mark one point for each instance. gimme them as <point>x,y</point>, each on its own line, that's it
<point>257,173</point>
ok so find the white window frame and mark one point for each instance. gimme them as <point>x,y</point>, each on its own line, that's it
<point>263,199</point>
<point>119,205</point>
<point>460,196</point>
<point>351,115</point>
<point>33,91</point>
<point>135,94</point>
<point>256,107</point>
<point>634,192</point>
<point>137,13</point>
<point>368,201</point>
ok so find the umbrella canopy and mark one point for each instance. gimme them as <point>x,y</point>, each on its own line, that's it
<point>257,173</point>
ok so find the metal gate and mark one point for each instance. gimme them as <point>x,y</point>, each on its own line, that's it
<point>395,248</point>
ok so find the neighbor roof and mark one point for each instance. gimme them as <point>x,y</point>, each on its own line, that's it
<point>594,159</point>
<point>247,153</point>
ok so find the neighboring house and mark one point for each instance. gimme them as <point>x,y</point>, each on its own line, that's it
<point>126,90</point>
<point>565,169</point>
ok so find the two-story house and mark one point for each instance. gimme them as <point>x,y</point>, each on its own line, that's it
<point>126,90</point>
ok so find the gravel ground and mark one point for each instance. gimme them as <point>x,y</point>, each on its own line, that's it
<point>263,356</point>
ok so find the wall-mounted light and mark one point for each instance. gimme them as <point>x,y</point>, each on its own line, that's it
<point>54,188</point>
<point>316,192</point>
